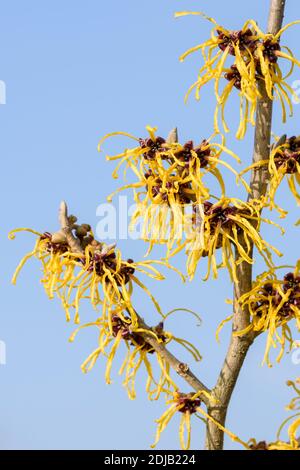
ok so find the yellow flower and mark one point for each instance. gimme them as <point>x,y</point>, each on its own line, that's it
<point>138,353</point>
<point>225,225</point>
<point>277,445</point>
<point>170,178</point>
<point>187,404</point>
<point>255,62</point>
<point>107,280</point>
<point>284,161</point>
<point>58,264</point>
<point>281,445</point>
<point>272,304</point>
<point>98,273</point>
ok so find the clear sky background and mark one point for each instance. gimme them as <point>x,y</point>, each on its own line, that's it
<point>75,71</point>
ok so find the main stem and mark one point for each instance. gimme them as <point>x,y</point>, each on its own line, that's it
<point>239,346</point>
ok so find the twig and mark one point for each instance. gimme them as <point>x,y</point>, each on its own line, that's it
<point>172,136</point>
<point>66,227</point>
<point>181,368</point>
<point>239,346</point>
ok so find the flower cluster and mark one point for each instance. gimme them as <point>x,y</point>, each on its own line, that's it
<point>277,445</point>
<point>139,352</point>
<point>229,225</point>
<point>255,71</point>
<point>96,272</point>
<point>272,304</point>
<point>170,172</point>
<point>171,177</point>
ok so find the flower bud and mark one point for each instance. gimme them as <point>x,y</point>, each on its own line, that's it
<point>58,237</point>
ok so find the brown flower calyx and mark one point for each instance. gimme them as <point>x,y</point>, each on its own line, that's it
<point>104,260</point>
<point>187,402</point>
<point>189,152</point>
<point>152,147</point>
<point>261,445</point>
<point>271,293</point>
<point>229,39</point>
<point>235,76</point>
<point>288,155</point>
<point>270,47</point>
<point>134,338</point>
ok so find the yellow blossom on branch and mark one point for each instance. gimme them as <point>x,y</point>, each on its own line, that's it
<point>227,225</point>
<point>172,172</point>
<point>187,404</point>
<point>170,183</point>
<point>98,273</point>
<point>138,354</point>
<point>255,65</point>
<point>272,304</point>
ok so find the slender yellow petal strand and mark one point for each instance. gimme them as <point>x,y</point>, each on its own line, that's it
<point>282,30</point>
<point>232,436</point>
<point>221,325</point>
<point>178,14</point>
<point>12,233</point>
<point>112,134</point>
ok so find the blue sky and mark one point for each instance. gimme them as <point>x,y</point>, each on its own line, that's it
<point>73,72</point>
